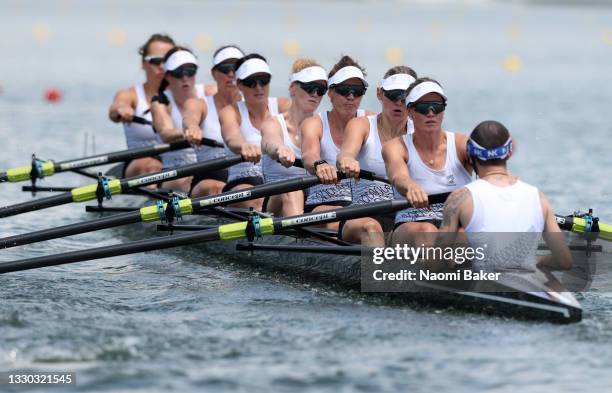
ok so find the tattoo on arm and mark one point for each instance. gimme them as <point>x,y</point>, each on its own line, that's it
<point>452,206</point>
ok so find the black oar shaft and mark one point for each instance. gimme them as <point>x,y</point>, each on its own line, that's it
<point>70,229</point>
<point>160,243</point>
<point>88,193</point>
<point>37,204</point>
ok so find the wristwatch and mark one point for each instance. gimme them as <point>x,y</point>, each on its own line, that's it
<point>317,163</point>
<point>161,98</point>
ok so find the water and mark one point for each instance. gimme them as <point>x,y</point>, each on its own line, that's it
<point>180,321</point>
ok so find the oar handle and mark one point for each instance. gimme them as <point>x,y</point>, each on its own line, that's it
<point>141,120</point>
<point>363,174</point>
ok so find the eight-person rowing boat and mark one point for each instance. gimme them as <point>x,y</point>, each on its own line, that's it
<point>373,173</point>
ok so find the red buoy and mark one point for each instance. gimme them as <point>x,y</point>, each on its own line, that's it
<point>53,95</point>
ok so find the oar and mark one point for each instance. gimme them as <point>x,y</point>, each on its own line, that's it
<point>39,169</point>
<point>363,174</point>
<point>107,188</point>
<point>234,231</point>
<point>585,224</point>
<point>154,213</point>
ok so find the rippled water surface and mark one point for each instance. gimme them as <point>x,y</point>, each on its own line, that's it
<point>189,322</point>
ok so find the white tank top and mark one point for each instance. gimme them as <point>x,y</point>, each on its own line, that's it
<point>497,209</point>
<point>272,170</point>
<point>184,156</point>
<point>140,135</point>
<point>370,159</point>
<point>211,128</point>
<point>330,193</point>
<point>508,222</point>
<point>433,181</point>
<point>251,135</point>
<point>452,176</point>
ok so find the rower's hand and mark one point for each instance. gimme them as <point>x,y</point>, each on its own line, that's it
<point>251,152</point>
<point>286,156</point>
<point>416,196</point>
<point>327,174</point>
<point>349,166</point>
<point>123,114</point>
<point>193,135</point>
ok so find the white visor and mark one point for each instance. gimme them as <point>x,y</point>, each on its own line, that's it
<point>250,67</point>
<point>230,52</point>
<point>345,73</point>
<point>424,88</point>
<point>397,82</point>
<point>310,74</point>
<point>178,59</point>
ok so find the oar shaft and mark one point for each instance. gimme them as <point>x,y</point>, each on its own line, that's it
<point>70,229</point>
<point>37,204</point>
<point>116,186</point>
<point>160,243</point>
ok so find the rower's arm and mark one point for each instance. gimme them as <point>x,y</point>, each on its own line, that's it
<point>396,159</point>
<point>560,257</point>
<point>194,113</point>
<point>271,137</point>
<point>355,134</point>
<point>284,104</point>
<point>461,147</point>
<point>312,132</point>
<point>162,121</point>
<point>123,105</point>
<point>230,129</point>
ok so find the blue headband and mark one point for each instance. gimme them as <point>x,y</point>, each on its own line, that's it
<point>475,150</point>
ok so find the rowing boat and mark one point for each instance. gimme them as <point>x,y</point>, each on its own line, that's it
<point>316,255</point>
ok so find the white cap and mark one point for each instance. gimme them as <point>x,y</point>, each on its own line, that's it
<point>397,82</point>
<point>231,52</point>
<point>250,67</point>
<point>309,74</point>
<point>178,59</point>
<point>424,88</point>
<point>345,73</point>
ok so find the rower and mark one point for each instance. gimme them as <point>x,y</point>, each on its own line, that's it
<point>323,134</point>
<point>429,161</point>
<point>201,119</point>
<point>136,100</point>
<point>178,86</point>
<point>281,139</point>
<point>241,124</point>
<point>362,149</point>
<point>499,202</point>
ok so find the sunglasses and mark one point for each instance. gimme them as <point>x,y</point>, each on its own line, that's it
<point>424,107</point>
<point>346,90</point>
<point>154,60</point>
<point>262,80</point>
<point>394,95</point>
<point>313,87</point>
<point>226,68</point>
<point>182,71</point>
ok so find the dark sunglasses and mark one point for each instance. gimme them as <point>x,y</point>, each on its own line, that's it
<point>394,95</point>
<point>262,80</point>
<point>183,71</point>
<point>226,68</point>
<point>424,107</point>
<point>313,87</point>
<point>346,90</point>
<point>154,60</point>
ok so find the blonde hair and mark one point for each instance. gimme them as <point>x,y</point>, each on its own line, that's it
<point>303,63</point>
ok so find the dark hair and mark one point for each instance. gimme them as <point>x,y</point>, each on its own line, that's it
<point>490,134</point>
<point>421,80</point>
<point>227,46</point>
<point>143,51</point>
<point>400,70</point>
<point>345,61</point>
<point>164,83</point>
<point>248,57</point>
